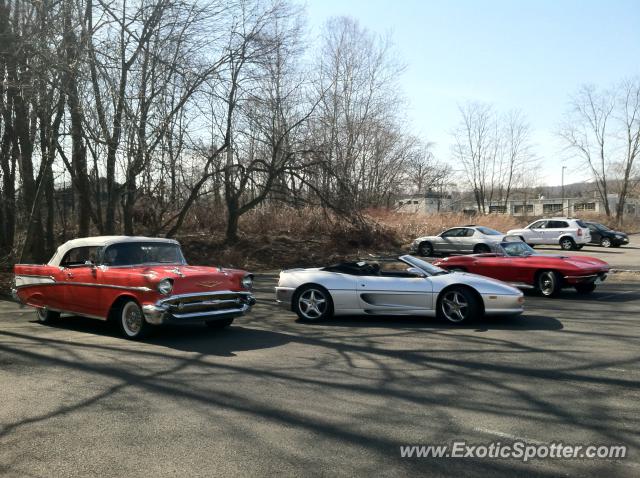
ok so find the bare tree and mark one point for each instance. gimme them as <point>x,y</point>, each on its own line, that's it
<point>357,129</point>
<point>628,114</point>
<point>477,146</point>
<point>587,131</point>
<point>516,152</point>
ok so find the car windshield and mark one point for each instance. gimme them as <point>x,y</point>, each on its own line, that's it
<point>487,231</point>
<point>430,269</point>
<point>137,253</point>
<point>516,249</point>
<point>602,227</point>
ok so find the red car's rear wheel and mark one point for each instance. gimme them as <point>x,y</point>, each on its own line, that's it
<point>46,316</point>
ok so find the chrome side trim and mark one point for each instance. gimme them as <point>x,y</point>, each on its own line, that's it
<point>521,285</point>
<point>90,316</point>
<point>88,284</point>
<point>581,277</point>
<point>36,276</point>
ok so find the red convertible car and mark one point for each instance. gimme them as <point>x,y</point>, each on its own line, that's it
<point>137,282</point>
<point>516,263</point>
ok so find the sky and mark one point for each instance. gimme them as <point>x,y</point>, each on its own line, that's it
<point>530,56</point>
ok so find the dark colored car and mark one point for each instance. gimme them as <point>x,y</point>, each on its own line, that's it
<point>605,237</point>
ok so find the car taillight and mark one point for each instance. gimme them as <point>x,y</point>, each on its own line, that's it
<point>579,232</point>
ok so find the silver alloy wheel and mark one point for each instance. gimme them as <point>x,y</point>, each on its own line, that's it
<point>566,244</point>
<point>41,313</point>
<point>455,306</point>
<point>547,283</point>
<point>605,242</point>
<point>312,304</point>
<point>132,320</point>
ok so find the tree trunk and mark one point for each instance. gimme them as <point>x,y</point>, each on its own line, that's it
<point>233,214</point>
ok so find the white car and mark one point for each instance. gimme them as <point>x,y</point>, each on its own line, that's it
<point>568,232</point>
<point>406,286</point>
<point>458,240</point>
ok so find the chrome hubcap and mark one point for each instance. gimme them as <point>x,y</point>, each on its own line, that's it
<point>42,314</point>
<point>454,306</point>
<point>312,304</point>
<point>547,283</point>
<point>566,244</point>
<point>132,319</point>
<point>606,242</point>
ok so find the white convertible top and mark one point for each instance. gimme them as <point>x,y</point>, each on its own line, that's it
<point>100,241</point>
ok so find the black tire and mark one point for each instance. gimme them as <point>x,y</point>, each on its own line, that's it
<point>548,283</point>
<point>458,305</point>
<point>425,249</point>
<point>130,320</point>
<point>605,242</point>
<point>313,303</point>
<point>219,324</point>
<point>585,288</point>
<point>567,244</point>
<point>46,316</point>
<point>481,249</point>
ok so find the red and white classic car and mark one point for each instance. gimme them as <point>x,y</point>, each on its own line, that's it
<point>135,281</point>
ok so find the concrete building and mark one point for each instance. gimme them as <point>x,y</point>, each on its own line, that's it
<point>429,203</point>
<point>555,206</point>
<point>432,202</point>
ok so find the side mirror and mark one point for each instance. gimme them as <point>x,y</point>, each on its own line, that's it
<point>90,264</point>
<point>416,272</point>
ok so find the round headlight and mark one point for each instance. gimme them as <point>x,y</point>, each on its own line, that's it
<point>165,286</point>
<point>247,282</point>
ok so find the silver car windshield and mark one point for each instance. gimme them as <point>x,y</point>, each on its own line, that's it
<point>429,269</point>
<point>514,249</point>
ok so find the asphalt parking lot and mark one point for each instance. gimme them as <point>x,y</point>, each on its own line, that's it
<point>271,395</point>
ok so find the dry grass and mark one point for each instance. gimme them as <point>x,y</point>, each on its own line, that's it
<point>277,237</point>
<point>408,226</point>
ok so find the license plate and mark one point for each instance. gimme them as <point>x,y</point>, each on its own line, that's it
<point>600,280</point>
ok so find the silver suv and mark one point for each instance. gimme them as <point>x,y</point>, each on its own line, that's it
<point>568,232</point>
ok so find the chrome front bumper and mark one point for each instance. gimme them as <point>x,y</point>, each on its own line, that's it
<point>198,307</point>
<point>587,278</point>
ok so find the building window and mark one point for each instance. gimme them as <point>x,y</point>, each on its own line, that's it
<point>551,208</point>
<point>416,202</point>
<point>522,208</point>
<point>497,209</point>
<point>584,206</point>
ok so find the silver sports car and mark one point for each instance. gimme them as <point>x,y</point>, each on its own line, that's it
<point>416,288</point>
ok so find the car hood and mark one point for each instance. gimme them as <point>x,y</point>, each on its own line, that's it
<point>186,279</point>
<point>483,284</point>
<point>585,262</point>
